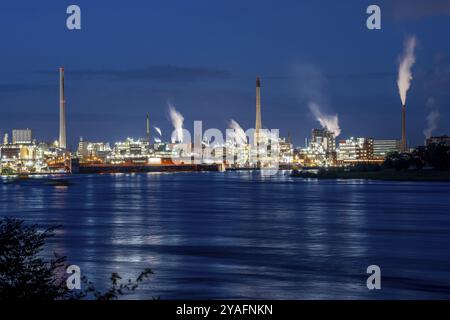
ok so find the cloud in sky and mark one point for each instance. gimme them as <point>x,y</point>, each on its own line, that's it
<point>167,73</point>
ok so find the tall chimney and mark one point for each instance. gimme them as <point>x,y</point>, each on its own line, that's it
<point>148,128</point>
<point>404,146</point>
<point>258,111</point>
<point>258,120</point>
<point>62,111</point>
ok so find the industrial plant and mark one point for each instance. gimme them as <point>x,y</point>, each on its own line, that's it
<point>256,148</point>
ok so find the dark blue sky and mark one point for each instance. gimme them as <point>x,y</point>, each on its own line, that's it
<point>133,57</point>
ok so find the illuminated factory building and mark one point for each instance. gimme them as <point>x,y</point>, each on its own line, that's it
<point>381,148</point>
<point>93,151</point>
<point>23,154</point>
<point>22,136</point>
<point>321,150</point>
<point>355,150</point>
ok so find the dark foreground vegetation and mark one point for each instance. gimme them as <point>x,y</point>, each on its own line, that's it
<point>431,163</point>
<point>26,275</point>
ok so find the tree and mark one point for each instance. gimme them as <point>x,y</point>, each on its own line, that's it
<point>398,161</point>
<point>439,156</point>
<point>433,155</point>
<point>25,275</point>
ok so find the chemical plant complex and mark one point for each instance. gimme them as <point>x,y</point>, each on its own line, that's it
<point>21,153</point>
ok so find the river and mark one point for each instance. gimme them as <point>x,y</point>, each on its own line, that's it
<point>240,235</point>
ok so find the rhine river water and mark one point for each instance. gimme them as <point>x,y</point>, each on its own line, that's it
<point>240,235</point>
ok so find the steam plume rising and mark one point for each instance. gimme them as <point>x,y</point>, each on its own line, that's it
<point>407,60</point>
<point>177,122</point>
<point>432,119</point>
<point>313,91</point>
<point>329,122</point>
<point>239,133</point>
<point>158,130</point>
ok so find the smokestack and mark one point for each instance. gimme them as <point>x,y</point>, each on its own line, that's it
<point>404,147</point>
<point>148,128</point>
<point>258,119</point>
<point>258,110</point>
<point>62,111</point>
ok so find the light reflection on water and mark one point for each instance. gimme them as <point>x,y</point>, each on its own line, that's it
<point>240,235</point>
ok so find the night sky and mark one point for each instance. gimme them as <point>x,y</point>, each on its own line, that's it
<point>134,57</point>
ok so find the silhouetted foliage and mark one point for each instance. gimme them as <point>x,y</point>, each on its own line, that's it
<point>436,156</point>
<point>365,167</point>
<point>25,275</point>
<point>397,160</point>
<point>117,289</point>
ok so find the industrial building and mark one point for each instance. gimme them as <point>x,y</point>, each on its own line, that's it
<point>445,140</point>
<point>382,147</point>
<point>355,150</point>
<point>324,140</point>
<point>321,150</point>
<point>22,136</point>
<point>93,151</point>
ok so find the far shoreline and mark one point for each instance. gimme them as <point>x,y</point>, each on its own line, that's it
<point>382,174</point>
<point>416,175</point>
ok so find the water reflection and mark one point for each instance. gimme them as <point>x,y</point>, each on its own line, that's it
<point>240,235</point>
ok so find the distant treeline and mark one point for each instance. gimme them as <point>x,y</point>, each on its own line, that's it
<point>430,163</point>
<point>436,156</point>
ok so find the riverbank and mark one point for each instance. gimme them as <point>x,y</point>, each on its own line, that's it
<point>387,174</point>
<point>125,168</point>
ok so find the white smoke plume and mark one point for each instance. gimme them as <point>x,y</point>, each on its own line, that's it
<point>177,120</point>
<point>239,133</point>
<point>407,60</point>
<point>158,130</point>
<point>329,122</point>
<point>312,89</point>
<point>432,118</point>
